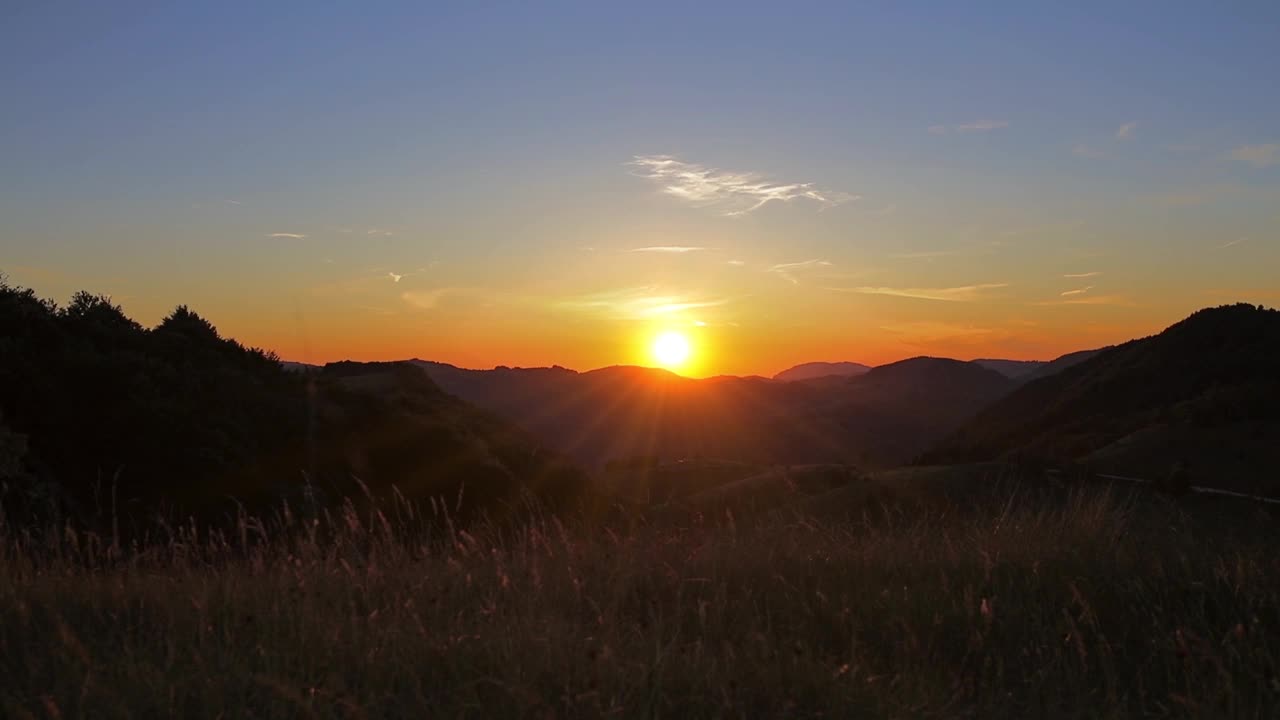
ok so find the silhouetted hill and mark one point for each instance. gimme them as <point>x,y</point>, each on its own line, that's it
<point>1059,364</point>
<point>903,408</point>
<point>1011,368</point>
<point>96,409</point>
<point>814,370</point>
<point>618,413</point>
<point>1162,396</point>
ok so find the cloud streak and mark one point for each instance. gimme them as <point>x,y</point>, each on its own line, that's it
<point>1086,151</point>
<point>1078,291</point>
<point>1119,300</point>
<point>1094,273</point>
<point>671,249</point>
<point>963,293</point>
<point>292,236</point>
<point>732,193</point>
<point>1258,155</point>
<point>788,271</point>
<point>982,126</point>
<point>970,127</point>
<point>637,303</point>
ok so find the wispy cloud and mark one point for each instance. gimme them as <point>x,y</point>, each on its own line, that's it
<point>1094,273</point>
<point>378,231</point>
<point>788,271</point>
<point>929,332</point>
<point>1086,151</point>
<point>1126,131</point>
<point>1258,155</point>
<point>733,193</point>
<point>928,254</point>
<point>394,277</point>
<point>437,298</point>
<point>982,126</point>
<point>1077,291</point>
<point>1230,243</point>
<point>963,293</point>
<point>294,236</point>
<point>969,127</point>
<point>1118,300</point>
<point>638,303</point>
<point>735,263</point>
<point>673,249</point>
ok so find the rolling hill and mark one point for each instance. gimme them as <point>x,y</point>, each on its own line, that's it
<point>1205,392</point>
<point>815,370</point>
<point>96,411</point>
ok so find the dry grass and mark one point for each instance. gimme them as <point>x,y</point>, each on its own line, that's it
<point>1033,606</point>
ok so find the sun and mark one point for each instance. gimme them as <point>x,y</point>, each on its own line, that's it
<point>671,349</point>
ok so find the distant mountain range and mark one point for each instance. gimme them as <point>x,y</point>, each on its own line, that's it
<point>178,415</point>
<point>881,417</point>
<point>1204,391</point>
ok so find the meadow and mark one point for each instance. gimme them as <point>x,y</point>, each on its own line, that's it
<point>1020,601</point>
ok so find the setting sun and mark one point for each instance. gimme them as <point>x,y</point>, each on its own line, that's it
<point>671,350</point>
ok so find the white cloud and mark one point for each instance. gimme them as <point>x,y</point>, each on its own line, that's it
<point>735,263</point>
<point>1094,273</point>
<point>1258,155</point>
<point>394,277</point>
<point>788,270</point>
<point>1078,291</point>
<point>377,231</point>
<point>964,293</point>
<point>1230,243</point>
<point>674,249</point>
<point>733,193</point>
<point>294,236</point>
<point>1126,131</point>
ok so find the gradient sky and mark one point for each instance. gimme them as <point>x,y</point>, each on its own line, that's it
<point>539,183</point>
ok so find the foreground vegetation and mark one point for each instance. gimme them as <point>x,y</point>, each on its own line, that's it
<point>1025,603</point>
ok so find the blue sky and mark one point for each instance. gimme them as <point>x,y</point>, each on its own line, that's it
<point>959,159</point>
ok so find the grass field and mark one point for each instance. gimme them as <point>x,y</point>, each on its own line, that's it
<point>1021,603</point>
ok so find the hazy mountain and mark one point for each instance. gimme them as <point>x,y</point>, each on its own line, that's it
<point>1012,368</point>
<point>1210,381</point>
<point>884,416</point>
<point>813,370</point>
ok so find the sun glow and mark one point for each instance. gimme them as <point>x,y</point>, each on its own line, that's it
<point>671,350</point>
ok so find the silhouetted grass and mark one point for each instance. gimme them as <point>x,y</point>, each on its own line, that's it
<point>1035,605</point>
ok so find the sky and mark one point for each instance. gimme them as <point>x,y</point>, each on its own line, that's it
<point>531,184</point>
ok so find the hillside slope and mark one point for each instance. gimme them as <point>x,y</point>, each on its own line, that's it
<point>97,410</point>
<point>1215,370</point>
<point>815,370</point>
